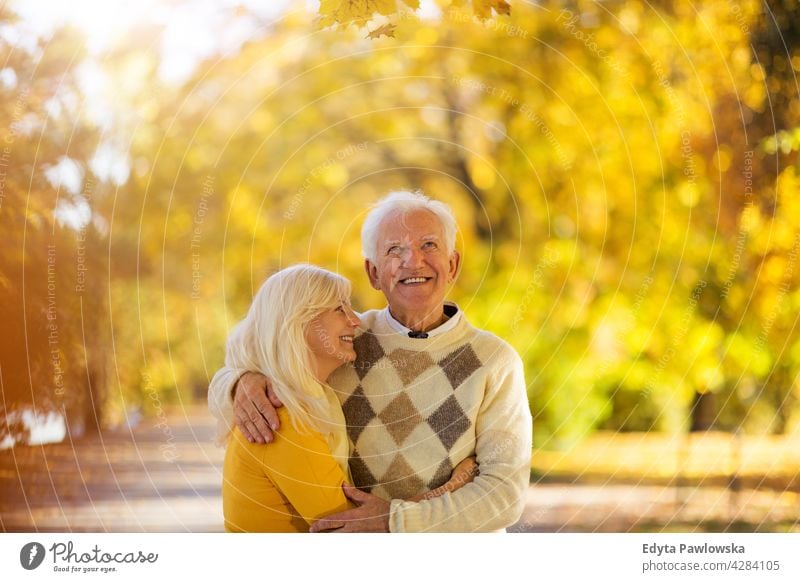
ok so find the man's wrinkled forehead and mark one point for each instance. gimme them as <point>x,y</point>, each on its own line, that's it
<point>396,226</point>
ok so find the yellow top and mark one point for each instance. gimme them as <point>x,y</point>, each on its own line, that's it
<point>283,486</point>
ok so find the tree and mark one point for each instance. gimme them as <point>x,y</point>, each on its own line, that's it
<point>624,191</point>
<point>51,352</point>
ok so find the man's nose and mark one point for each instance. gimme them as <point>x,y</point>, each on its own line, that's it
<point>412,258</point>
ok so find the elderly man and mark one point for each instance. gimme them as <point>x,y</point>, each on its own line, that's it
<point>426,391</point>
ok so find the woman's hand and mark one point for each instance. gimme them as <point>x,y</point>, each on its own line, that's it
<point>465,471</point>
<point>462,474</point>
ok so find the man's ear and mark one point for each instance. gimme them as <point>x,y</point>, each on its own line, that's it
<point>372,273</point>
<point>455,265</point>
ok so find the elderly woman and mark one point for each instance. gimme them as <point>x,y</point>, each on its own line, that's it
<point>299,329</point>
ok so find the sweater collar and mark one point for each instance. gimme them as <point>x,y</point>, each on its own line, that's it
<point>451,310</point>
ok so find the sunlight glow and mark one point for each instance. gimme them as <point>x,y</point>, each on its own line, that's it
<point>192,30</point>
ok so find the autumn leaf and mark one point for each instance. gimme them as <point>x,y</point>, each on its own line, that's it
<point>628,330</point>
<point>483,8</point>
<point>502,7</point>
<point>360,12</point>
<point>385,30</point>
<point>357,12</point>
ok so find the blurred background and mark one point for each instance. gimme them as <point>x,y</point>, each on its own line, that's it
<point>624,175</point>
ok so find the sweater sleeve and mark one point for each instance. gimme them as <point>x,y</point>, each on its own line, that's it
<point>220,401</point>
<point>496,498</point>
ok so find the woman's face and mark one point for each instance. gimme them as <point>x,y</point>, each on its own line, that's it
<point>330,336</point>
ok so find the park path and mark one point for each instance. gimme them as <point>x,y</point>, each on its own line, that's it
<point>165,477</point>
<point>161,476</point>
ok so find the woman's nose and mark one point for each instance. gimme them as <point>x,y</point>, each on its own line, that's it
<point>353,319</point>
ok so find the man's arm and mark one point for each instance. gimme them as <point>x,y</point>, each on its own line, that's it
<point>246,399</point>
<point>220,401</point>
<point>496,497</point>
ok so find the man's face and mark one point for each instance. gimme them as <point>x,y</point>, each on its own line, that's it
<point>413,268</point>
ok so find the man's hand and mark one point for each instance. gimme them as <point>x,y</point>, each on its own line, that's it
<point>372,515</point>
<point>254,405</point>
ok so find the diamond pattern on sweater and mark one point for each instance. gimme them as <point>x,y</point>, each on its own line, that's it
<point>357,412</point>
<point>400,417</point>
<point>407,410</point>
<point>401,481</point>
<point>343,381</point>
<point>442,474</point>
<point>449,422</point>
<point>362,476</point>
<point>409,365</point>
<point>430,391</point>
<point>368,352</point>
<point>460,365</point>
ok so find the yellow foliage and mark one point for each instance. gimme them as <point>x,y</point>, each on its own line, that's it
<point>595,160</point>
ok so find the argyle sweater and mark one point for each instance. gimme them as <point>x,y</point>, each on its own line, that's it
<point>415,408</point>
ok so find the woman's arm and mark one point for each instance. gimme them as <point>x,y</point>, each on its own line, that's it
<point>372,514</point>
<point>302,467</point>
<point>297,463</point>
<point>463,473</point>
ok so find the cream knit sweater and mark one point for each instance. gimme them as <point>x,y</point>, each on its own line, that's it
<point>414,409</point>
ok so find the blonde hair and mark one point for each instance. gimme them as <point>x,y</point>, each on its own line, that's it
<point>271,339</point>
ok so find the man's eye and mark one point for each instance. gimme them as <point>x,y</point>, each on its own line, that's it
<point>430,245</point>
<point>393,250</point>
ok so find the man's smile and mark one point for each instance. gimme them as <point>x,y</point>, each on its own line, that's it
<point>415,280</point>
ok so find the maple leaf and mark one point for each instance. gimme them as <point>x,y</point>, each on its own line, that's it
<point>358,12</point>
<point>483,8</point>
<point>385,30</point>
<point>346,12</point>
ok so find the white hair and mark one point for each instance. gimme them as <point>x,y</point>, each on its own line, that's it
<point>271,339</point>
<point>405,201</point>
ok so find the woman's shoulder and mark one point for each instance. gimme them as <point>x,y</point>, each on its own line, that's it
<point>287,436</point>
<point>297,436</point>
